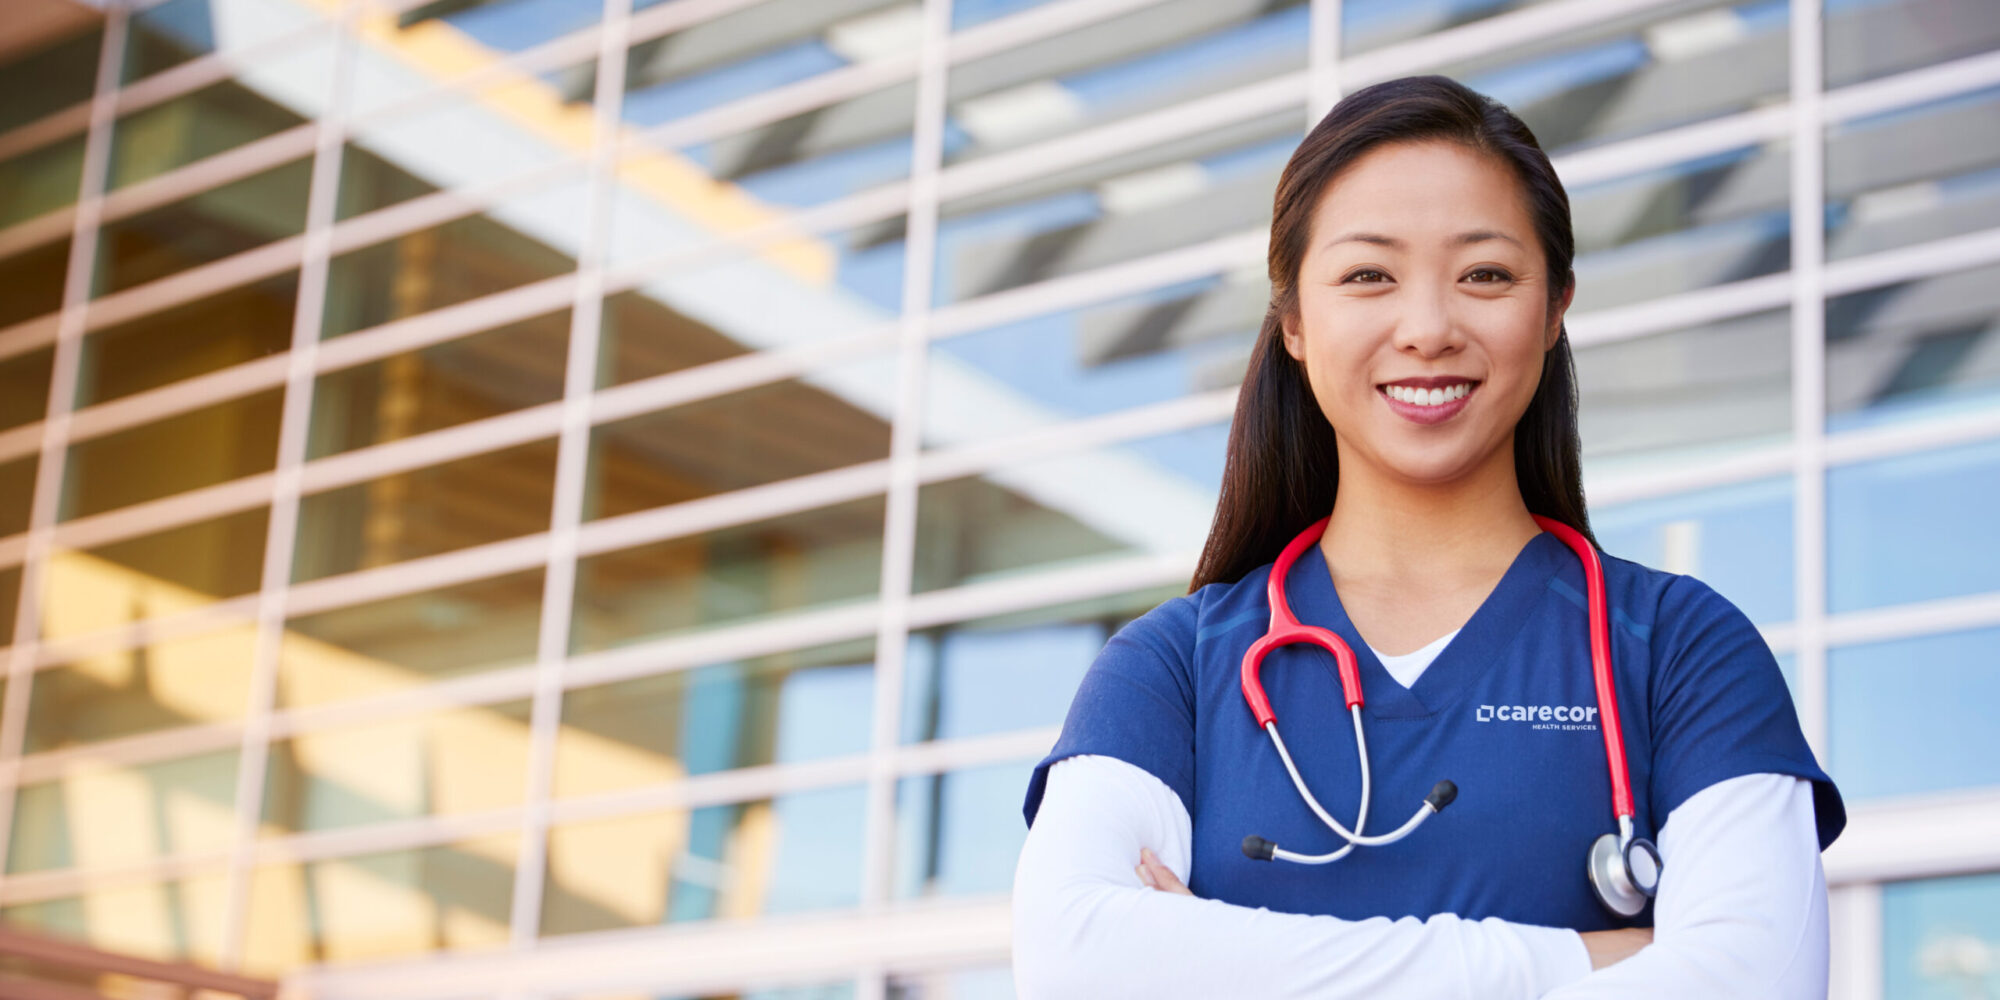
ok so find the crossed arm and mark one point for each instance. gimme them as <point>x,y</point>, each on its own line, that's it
<point>1741,912</point>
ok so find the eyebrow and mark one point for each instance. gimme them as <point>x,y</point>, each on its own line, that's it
<point>1462,239</point>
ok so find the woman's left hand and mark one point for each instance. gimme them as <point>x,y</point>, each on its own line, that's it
<point>1157,875</point>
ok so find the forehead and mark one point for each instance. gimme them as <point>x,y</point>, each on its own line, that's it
<point>1424,192</point>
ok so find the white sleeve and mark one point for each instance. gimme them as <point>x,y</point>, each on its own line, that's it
<point>1741,910</point>
<point>1084,925</point>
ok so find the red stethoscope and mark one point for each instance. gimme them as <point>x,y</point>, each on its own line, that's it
<point>1624,870</point>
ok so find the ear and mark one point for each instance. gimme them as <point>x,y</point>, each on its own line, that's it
<point>1292,338</point>
<point>1554,331</point>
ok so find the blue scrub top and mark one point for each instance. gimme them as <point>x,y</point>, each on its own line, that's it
<point>1506,711</point>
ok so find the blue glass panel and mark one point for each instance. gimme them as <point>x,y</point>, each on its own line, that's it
<point>1623,75</point>
<point>1012,672</point>
<point>1941,938</point>
<point>1151,496</point>
<point>1737,539</point>
<point>960,833</point>
<point>1914,174</point>
<point>1205,187</point>
<point>1117,67</point>
<point>1181,339</point>
<point>1917,349</point>
<point>1914,715</point>
<point>1866,39</point>
<point>1913,528</point>
<point>1716,219</point>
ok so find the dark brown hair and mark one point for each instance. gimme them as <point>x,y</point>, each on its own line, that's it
<point>1282,470</point>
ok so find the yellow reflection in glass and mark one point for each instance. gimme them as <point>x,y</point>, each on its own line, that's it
<point>373,906</point>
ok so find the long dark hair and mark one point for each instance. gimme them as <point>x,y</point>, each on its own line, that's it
<point>1282,470</point>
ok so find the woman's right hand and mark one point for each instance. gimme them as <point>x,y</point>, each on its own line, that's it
<point>1611,947</point>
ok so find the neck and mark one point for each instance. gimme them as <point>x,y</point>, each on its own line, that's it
<point>1387,529</point>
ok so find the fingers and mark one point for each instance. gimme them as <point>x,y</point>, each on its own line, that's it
<point>1156,875</point>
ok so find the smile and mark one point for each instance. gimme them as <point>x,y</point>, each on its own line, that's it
<point>1428,400</point>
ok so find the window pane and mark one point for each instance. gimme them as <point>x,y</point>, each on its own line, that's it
<point>1913,349</point>
<point>24,387</point>
<point>967,13</point>
<point>1913,175</point>
<point>1886,521</point>
<point>441,508</point>
<point>1118,67</point>
<point>1640,72</point>
<point>241,324</point>
<point>1010,672</point>
<point>817,991</point>
<point>269,96</point>
<point>794,853</point>
<point>445,763</point>
<point>164,573</point>
<point>1737,539</point>
<point>505,125</point>
<point>1155,346</point>
<point>960,833</point>
<point>1709,221</point>
<point>419,901</point>
<point>816,559</point>
<point>220,222</point>
<point>443,385</point>
<point>40,180</point>
<point>122,815</point>
<point>176,920</point>
<point>1371,24</point>
<point>1153,496</point>
<point>807,705</point>
<point>17,492</point>
<point>403,642</point>
<point>215,444</point>
<point>59,73</point>
<point>830,419</point>
<point>757,48</point>
<point>779,294</point>
<point>508,25</point>
<point>1911,716</point>
<point>160,685</point>
<point>1202,187</point>
<point>1687,390</point>
<point>169,34</point>
<point>1880,37</point>
<point>33,278</point>
<point>527,238</point>
<point>640,336</point>
<point>996,983</point>
<point>10,603</point>
<point>1939,936</point>
<point>807,159</point>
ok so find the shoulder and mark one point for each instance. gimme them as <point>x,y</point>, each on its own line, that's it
<point>1173,631</point>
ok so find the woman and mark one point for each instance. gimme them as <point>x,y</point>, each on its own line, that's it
<point>1413,384</point>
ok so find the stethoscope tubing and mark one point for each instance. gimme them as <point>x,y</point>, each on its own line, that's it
<point>1285,629</point>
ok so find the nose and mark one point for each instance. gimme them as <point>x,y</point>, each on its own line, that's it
<point>1427,327</point>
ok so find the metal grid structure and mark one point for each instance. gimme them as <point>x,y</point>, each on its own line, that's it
<point>883,945</point>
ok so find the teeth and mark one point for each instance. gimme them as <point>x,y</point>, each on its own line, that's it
<point>1428,397</point>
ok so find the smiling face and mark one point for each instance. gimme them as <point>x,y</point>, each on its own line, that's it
<point>1424,311</point>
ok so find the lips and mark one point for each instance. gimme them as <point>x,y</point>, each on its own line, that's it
<point>1428,399</point>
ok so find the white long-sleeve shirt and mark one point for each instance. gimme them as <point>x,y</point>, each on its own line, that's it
<point>1741,910</point>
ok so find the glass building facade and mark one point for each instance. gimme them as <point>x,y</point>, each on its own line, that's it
<point>603,499</point>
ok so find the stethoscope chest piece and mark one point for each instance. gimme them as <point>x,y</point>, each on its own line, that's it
<point>1624,879</point>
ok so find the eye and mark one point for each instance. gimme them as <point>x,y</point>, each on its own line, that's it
<point>1498,275</point>
<point>1357,274</point>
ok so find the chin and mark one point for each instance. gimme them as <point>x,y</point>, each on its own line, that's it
<point>1431,470</point>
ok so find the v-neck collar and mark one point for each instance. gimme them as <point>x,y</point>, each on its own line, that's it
<point>1483,639</point>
